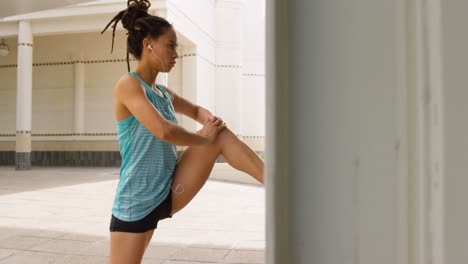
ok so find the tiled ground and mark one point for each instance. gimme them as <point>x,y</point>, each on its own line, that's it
<point>61,215</point>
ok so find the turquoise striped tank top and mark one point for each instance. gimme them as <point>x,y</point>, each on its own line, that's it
<point>147,163</point>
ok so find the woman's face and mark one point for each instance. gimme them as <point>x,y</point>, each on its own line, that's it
<point>164,52</point>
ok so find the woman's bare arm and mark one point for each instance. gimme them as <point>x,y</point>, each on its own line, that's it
<point>128,91</point>
<point>187,108</point>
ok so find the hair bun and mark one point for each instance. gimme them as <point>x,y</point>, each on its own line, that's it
<point>143,4</point>
<point>135,10</point>
<point>139,24</point>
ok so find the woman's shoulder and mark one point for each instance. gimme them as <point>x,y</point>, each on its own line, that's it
<point>128,79</point>
<point>127,84</point>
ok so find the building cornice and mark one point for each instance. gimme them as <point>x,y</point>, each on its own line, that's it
<point>79,15</point>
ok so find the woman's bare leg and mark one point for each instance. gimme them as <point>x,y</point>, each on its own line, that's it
<point>128,248</point>
<point>192,171</point>
<point>196,164</point>
<point>241,157</point>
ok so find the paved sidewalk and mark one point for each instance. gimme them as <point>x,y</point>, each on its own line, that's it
<point>61,215</point>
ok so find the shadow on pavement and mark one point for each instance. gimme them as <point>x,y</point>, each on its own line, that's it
<point>13,181</point>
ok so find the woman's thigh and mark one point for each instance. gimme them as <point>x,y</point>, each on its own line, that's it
<point>191,173</point>
<point>128,248</point>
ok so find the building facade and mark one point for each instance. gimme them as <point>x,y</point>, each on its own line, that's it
<point>56,88</point>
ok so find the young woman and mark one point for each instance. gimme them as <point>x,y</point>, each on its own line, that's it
<point>153,183</point>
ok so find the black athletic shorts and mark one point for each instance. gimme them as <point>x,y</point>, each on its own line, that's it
<point>149,222</point>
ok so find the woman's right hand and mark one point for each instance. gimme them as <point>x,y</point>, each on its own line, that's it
<point>211,128</point>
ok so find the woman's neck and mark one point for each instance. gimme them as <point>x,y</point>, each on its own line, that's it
<point>147,74</point>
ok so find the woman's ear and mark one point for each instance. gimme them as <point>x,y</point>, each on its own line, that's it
<point>147,43</point>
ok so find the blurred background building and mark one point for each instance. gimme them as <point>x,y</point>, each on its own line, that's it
<point>60,110</point>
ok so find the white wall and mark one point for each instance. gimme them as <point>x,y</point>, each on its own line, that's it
<point>8,89</point>
<point>228,37</point>
<point>52,109</point>
<point>99,77</point>
<point>252,96</point>
<point>195,21</point>
<point>229,62</point>
<point>53,85</point>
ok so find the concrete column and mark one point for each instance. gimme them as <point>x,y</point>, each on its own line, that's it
<point>175,79</point>
<point>24,96</point>
<point>253,70</point>
<point>228,82</point>
<point>79,97</point>
<point>163,77</point>
<point>333,163</point>
<point>189,82</point>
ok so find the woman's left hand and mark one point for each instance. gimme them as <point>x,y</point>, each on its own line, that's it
<point>217,118</point>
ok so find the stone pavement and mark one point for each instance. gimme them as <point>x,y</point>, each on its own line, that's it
<point>61,215</point>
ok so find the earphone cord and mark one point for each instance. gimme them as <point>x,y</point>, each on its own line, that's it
<point>162,64</point>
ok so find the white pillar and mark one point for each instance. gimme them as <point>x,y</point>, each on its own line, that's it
<point>175,78</point>
<point>163,77</point>
<point>79,97</point>
<point>252,102</point>
<point>228,72</point>
<point>189,82</point>
<point>333,176</point>
<point>24,96</point>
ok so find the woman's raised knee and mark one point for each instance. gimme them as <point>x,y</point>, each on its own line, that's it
<point>225,136</point>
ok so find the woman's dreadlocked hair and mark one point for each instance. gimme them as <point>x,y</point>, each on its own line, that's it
<point>139,24</point>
